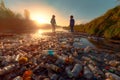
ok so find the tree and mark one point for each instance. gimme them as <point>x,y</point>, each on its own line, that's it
<point>2,5</point>
<point>26,14</point>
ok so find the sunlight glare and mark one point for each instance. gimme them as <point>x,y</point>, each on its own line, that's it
<point>40,19</point>
<point>38,34</point>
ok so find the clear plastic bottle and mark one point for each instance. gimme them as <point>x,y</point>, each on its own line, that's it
<point>7,69</point>
<point>61,58</point>
<point>87,73</point>
<point>76,70</point>
<point>17,57</point>
<point>96,71</point>
<point>53,67</point>
<point>92,68</point>
<point>54,77</point>
<point>68,71</point>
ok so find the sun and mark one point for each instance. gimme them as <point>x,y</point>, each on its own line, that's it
<point>40,19</point>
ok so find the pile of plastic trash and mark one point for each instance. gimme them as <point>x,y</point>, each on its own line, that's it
<point>59,56</point>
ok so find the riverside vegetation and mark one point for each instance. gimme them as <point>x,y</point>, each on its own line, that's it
<point>107,25</point>
<point>15,22</point>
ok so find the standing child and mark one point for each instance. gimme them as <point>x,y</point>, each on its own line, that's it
<point>53,23</point>
<point>72,23</point>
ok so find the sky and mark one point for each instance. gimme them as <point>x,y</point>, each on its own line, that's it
<point>42,10</point>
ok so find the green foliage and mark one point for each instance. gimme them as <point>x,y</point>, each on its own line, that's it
<point>79,28</point>
<point>107,25</point>
<point>7,13</point>
<point>12,22</point>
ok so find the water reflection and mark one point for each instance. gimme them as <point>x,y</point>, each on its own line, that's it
<point>39,34</point>
<point>86,42</point>
<point>82,43</point>
<point>64,35</point>
<point>106,45</point>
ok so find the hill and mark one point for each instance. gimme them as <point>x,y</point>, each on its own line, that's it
<point>107,25</point>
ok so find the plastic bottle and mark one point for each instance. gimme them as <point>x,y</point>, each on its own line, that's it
<point>49,52</point>
<point>7,69</point>
<point>96,71</point>
<point>54,77</point>
<point>61,58</point>
<point>114,63</point>
<point>61,78</point>
<point>68,71</point>
<point>111,75</point>
<point>87,49</point>
<point>65,59</point>
<point>27,75</point>
<point>18,78</point>
<point>87,73</point>
<point>76,70</point>
<point>92,68</point>
<point>17,57</point>
<point>53,67</point>
<point>95,58</point>
<point>86,58</point>
<point>59,62</point>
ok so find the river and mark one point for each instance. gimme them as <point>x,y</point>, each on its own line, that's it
<point>82,43</point>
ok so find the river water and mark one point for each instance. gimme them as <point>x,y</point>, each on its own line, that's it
<point>83,41</point>
<point>86,41</point>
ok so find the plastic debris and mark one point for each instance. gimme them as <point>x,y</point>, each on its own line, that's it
<point>60,56</point>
